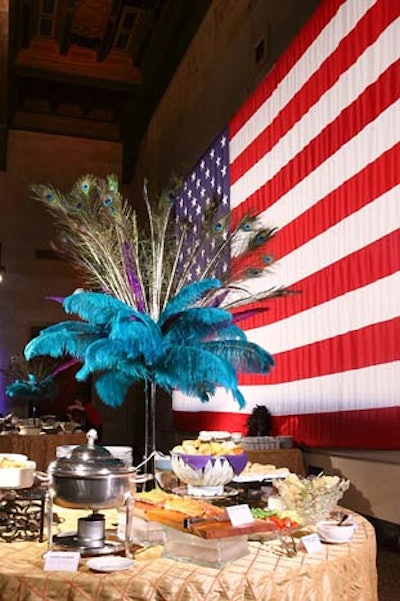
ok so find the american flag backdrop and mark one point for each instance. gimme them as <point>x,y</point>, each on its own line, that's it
<point>209,179</point>
<point>316,150</point>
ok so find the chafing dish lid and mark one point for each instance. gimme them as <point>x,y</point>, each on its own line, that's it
<point>89,460</point>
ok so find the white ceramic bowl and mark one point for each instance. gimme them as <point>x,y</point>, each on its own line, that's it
<point>329,531</point>
<point>14,456</point>
<point>18,477</point>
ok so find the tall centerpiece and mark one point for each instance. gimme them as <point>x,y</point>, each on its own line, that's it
<point>145,315</point>
<point>33,381</point>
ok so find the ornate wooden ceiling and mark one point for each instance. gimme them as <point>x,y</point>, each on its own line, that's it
<point>92,68</point>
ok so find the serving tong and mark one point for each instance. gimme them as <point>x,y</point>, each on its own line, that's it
<point>288,543</point>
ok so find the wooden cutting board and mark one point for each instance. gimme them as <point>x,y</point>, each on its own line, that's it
<point>209,529</point>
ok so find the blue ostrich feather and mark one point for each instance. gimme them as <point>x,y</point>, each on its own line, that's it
<point>96,307</point>
<point>32,388</point>
<point>112,387</point>
<point>188,295</point>
<point>179,367</point>
<point>244,356</point>
<point>70,338</point>
<point>192,348</point>
<point>195,324</point>
<point>140,335</point>
<point>230,332</point>
<point>106,355</point>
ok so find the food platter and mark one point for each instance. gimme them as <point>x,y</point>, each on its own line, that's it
<point>227,493</point>
<point>192,516</point>
<point>244,478</point>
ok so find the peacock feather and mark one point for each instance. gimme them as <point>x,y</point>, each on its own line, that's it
<point>147,315</point>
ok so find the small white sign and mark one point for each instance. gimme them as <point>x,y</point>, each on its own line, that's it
<point>240,515</point>
<point>62,561</point>
<point>311,543</point>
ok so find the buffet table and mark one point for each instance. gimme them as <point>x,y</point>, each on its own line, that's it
<point>344,572</point>
<point>40,448</point>
<point>291,458</point>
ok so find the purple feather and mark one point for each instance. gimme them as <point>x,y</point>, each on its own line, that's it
<point>57,299</point>
<point>132,277</point>
<point>219,298</point>
<point>241,315</point>
<point>64,366</point>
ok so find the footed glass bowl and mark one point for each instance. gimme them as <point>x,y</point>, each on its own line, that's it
<point>206,475</point>
<point>312,498</point>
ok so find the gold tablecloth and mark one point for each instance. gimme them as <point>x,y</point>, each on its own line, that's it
<point>40,448</point>
<point>290,458</point>
<point>345,572</point>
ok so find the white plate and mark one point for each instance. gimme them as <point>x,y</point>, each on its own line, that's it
<point>260,477</point>
<point>324,539</point>
<point>111,563</point>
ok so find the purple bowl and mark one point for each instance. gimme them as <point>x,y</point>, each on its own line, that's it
<point>198,462</point>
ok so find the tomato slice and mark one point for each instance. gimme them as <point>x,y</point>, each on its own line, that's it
<point>277,521</point>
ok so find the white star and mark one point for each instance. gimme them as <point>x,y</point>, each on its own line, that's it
<point>202,165</point>
<point>223,171</point>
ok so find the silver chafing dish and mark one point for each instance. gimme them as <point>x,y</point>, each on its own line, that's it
<point>90,478</point>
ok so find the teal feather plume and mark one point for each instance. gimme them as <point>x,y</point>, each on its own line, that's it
<point>140,336</point>
<point>100,309</point>
<point>68,338</point>
<point>105,355</point>
<point>112,387</point>
<point>187,297</point>
<point>179,365</point>
<point>194,350</point>
<point>231,332</point>
<point>244,356</point>
<point>198,321</point>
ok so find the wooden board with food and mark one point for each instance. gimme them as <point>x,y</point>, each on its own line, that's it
<point>195,516</point>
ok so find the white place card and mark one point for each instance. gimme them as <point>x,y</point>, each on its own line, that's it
<point>62,561</point>
<point>240,515</point>
<point>311,543</point>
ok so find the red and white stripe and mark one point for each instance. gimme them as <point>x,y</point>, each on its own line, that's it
<point>316,150</point>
